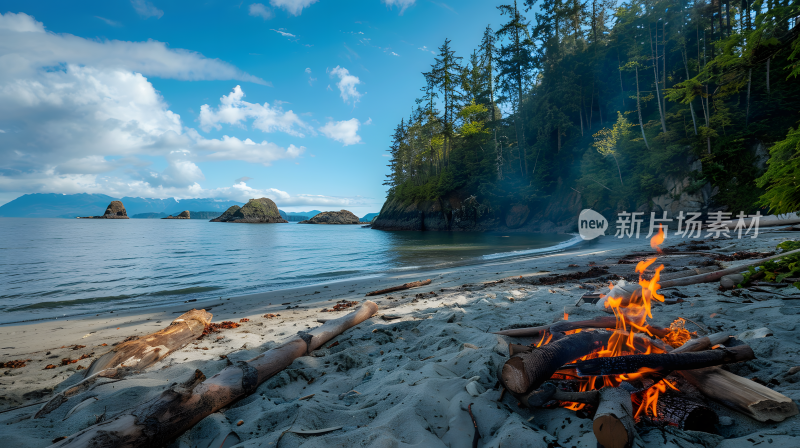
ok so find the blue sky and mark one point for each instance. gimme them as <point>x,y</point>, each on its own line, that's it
<point>295,100</point>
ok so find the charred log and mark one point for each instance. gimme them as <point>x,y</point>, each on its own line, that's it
<point>618,365</point>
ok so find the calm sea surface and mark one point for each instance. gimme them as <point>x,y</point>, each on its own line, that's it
<point>55,267</point>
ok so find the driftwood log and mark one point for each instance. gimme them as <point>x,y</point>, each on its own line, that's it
<point>618,365</point>
<point>400,288</point>
<point>526,371</point>
<point>160,420</point>
<point>113,375</point>
<point>613,423</point>
<point>748,397</point>
<point>147,350</point>
<point>716,275</point>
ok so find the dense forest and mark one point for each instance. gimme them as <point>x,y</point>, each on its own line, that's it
<point>608,99</point>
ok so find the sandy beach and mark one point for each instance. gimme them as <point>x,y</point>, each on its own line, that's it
<point>404,381</point>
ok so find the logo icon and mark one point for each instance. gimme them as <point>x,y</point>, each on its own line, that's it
<point>591,224</point>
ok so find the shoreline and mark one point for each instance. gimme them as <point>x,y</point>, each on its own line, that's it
<point>416,357</point>
<point>475,261</point>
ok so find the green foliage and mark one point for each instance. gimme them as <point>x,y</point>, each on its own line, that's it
<point>777,270</point>
<point>782,178</point>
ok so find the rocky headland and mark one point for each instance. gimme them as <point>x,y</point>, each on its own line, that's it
<point>340,217</point>
<point>182,215</point>
<point>261,210</point>
<point>115,210</point>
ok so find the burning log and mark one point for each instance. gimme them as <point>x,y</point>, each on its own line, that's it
<point>613,422</point>
<point>704,343</point>
<point>564,326</point>
<point>400,288</point>
<point>158,421</point>
<point>617,365</point>
<point>146,351</point>
<point>716,275</point>
<point>526,371</point>
<point>741,394</point>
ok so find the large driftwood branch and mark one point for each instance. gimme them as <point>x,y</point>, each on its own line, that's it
<point>741,394</point>
<point>159,421</point>
<point>146,351</point>
<point>135,355</point>
<point>613,422</point>
<point>618,365</point>
<point>716,275</point>
<point>400,288</point>
<point>526,371</point>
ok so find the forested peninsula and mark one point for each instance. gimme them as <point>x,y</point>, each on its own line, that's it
<point>640,106</point>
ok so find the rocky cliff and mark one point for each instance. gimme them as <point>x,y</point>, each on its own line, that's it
<point>261,210</point>
<point>182,215</point>
<point>115,210</point>
<point>340,217</point>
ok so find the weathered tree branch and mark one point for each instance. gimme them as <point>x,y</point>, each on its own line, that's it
<point>400,288</point>
<point>613,422</point>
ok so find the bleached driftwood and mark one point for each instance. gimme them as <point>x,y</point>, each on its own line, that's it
<point>160,420</point>
<point>716,275</point>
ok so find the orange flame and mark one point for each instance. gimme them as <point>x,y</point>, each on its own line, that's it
<point>631,315</point>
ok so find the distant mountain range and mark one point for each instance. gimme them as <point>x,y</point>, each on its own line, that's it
<point>53,205</point>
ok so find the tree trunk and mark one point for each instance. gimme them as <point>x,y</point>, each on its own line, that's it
<point>613,424</point>
<point>621,88</point>
<point>618,365</point>
<point>142,353</point>
<point>400,288</point>
<point>658,91</point>
<point>691,103</point>
<point>664,65</point>
<point>527,371</point>
<point>160,420</point>
<point>768,59</point>
<point>618,170</point>
<point>747,110</point>
<point>639,108</point>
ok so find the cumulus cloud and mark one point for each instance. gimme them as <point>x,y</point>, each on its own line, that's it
<point>146,9</point>
<point>293,7</point>
<point>347,84</point>
<point>401,4</point>
<point>259,10</point>
<point>232,110</point>
<point>345,132</point>
<point>26,47</point>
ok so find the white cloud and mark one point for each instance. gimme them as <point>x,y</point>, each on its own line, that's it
<point>259,10</point>
<point>401,4</point>
<point>243,179</point>
<point>395,54</point>
<point>347,84</point>
<point>283,33</point>
<point>231,148</point>
<point>426,49</point>
<point>25,48</point>
<point>233,110</point>
<point>108,21</point>
<point>368,122</point>
<point>146,9</point>
<point>345,132</point>
<point>293,7</point>
<point>308,70</point>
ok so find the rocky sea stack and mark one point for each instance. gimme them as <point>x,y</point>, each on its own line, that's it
<point>183,215</point>
<point>340,217</point>
<point>115,210</point>
<point>261,210</point>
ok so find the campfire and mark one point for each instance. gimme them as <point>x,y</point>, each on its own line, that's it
<point>624,371</point>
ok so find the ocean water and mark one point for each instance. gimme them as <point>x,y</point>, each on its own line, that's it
<point>60,267</point>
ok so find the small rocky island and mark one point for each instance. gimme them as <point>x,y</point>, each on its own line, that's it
<point>115,210</point>
<point>340,217</point>
<point>261,210</point>
<point>183,215</point>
